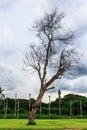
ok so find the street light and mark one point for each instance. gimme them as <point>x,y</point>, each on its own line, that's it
<point>29,102</point>
<point>18,109</point>
<point>15,105</point>
<point>49,106</point>
<point>40,109</point>
<point>59,97</point>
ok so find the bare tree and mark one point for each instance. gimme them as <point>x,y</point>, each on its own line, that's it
<point>51,54</point>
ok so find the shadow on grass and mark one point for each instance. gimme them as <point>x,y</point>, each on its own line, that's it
<point>31,123</point>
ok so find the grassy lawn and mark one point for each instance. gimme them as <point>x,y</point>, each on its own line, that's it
<point>61,124</point>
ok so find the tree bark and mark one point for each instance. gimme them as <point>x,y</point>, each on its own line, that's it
<point>32,116</point>
<point>35,106</point>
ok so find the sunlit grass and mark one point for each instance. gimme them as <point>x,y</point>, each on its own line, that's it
<point>15,124</point>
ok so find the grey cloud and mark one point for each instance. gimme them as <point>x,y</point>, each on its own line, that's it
<point>12,81</point>
<point>78,85</point>
<point>6,53</point>
<point>9,78</point>
<point>76,72</point>
<point>81,71</point>
<point>6,4</point>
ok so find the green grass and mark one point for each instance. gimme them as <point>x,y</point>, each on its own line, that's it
<point>60,124</point>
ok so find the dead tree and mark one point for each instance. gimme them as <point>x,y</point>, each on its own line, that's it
<point>53,53</point>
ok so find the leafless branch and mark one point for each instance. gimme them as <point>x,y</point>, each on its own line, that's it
<point>50,88</point>
<point>52,52</point>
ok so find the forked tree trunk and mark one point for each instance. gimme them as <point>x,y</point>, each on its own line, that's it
<point>35,106</point>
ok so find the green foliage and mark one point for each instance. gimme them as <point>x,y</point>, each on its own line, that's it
<point>54,108</point>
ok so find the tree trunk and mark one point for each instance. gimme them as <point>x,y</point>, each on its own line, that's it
<point>35,106</point>
<point>32,116</point>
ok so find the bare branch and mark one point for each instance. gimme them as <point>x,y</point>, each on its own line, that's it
<point>50,88</point>
<point>56,76</point>
<point>51,53</point>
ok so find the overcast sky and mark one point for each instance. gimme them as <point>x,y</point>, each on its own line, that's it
<point>16,16</point>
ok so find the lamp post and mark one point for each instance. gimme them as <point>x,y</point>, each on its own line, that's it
<point>81,108</point>
<point>59,93</point>
<point>40,109</point>
<point>15,105</point>
<point>49,106</point>
<point>71,107</point>
<point>29,102</point>
<point>6,106</point>
<point>18,109</point>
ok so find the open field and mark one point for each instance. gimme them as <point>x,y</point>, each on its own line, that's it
<point>61,124</point>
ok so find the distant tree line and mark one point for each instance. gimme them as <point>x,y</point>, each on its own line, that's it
<point>71,105</point>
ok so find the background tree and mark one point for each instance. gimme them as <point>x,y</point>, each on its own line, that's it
<point>52,54</point>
